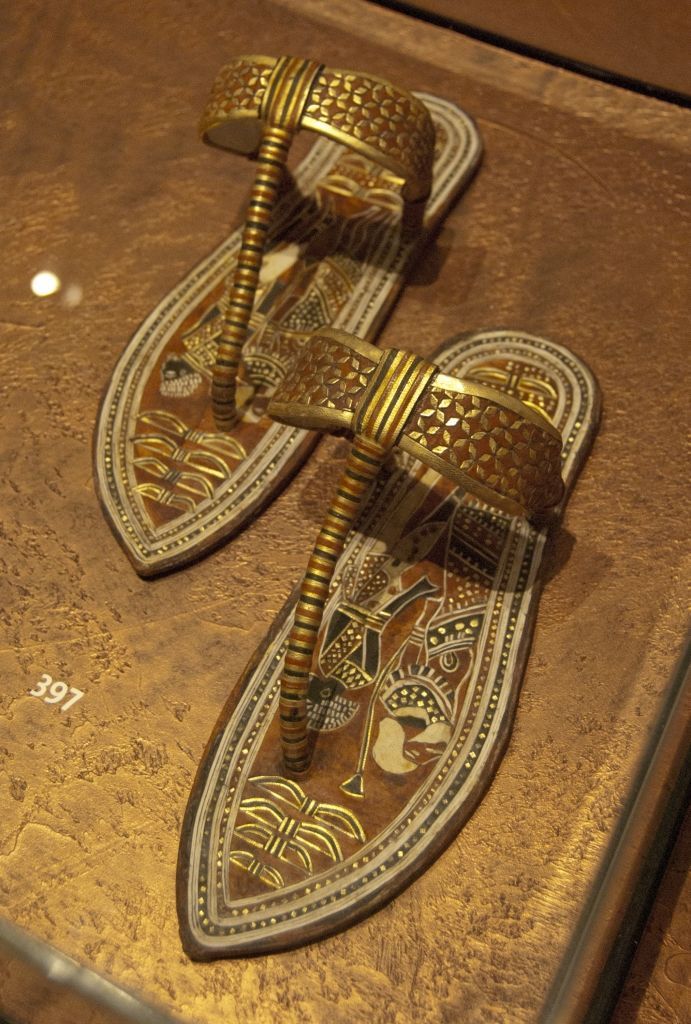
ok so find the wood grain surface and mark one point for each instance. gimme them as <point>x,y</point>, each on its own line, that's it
<point>641,39</point>
<point>576,228</point>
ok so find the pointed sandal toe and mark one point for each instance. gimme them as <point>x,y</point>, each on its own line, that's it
<point>371,721</point>
<point>185,455</point>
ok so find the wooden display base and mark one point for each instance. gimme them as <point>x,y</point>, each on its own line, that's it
<point>573,229</point>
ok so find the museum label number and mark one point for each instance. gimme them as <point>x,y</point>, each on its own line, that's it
<point>54,692</point>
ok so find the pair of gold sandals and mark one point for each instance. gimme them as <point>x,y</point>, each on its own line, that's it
<point>408,635</point>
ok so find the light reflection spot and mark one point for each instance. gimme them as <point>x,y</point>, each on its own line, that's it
<point>45,283</point>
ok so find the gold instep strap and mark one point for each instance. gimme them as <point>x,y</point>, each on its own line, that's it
<point>488,442</point>
<point>366,113</point>
<point>256,106</point>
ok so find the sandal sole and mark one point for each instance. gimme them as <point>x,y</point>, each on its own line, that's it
<point>425,637</point>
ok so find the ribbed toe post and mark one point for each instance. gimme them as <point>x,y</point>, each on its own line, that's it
<point>287,91</point>
<point>363,464</point>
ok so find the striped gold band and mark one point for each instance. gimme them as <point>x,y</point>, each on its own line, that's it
<point>287,92</point>
<point>391,395</point>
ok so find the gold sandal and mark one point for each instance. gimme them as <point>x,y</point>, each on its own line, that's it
<point>408,637</point>
<point>185,455</point>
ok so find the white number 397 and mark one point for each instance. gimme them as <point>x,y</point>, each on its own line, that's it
<point>55,692</point>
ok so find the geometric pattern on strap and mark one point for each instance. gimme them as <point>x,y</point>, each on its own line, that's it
<point>490,443</point>
<point>366,113</point>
